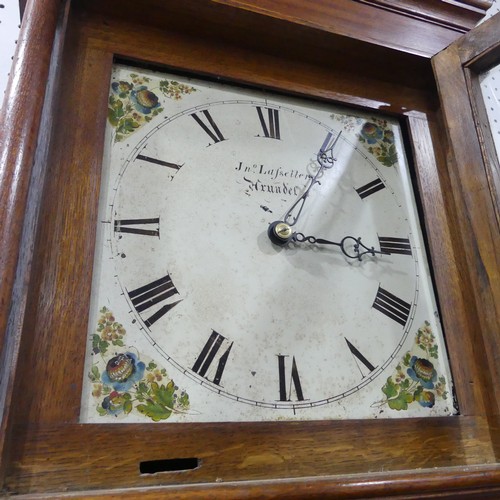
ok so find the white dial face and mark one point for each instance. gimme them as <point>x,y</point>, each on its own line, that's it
<point>323,325</point>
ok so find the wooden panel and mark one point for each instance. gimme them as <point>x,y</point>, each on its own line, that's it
<point>359,21</point>
<point>50,458</point>
<point>19,122</point>
<point>240,32</point>
<point>446,251</point>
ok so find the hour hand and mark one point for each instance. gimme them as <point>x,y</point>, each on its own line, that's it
<point>350,246</point>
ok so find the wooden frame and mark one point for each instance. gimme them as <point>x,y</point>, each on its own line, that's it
<point>475,167</point>
<point>44,448</point>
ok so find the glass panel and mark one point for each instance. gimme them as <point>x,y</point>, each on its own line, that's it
<point>490,88</point>
<point>259,257</point>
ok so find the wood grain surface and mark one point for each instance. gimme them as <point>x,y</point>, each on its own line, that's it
<point>19,126</point>
<point>476,205</point>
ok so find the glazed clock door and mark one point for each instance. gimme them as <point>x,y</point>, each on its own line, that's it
<point>468,81</point>
<point>259,258</point>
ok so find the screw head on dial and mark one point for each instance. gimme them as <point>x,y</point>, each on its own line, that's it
<point>280,233</point>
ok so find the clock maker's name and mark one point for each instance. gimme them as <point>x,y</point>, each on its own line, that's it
<point>285,178</point>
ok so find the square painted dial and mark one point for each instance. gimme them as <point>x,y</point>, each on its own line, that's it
<point>258,257</point>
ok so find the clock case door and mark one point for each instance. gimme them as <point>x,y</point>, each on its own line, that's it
<point>44,448</point>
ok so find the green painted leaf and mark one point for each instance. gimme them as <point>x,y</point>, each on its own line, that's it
<point>127,407</point>
<point>398,404</point>
<point>142,387</point>
<point>103,346</point>
<point>112,118</point>
<point>94,374</point>
<point>184,400</point>
<point>401,402</point>
<point>407,358</point>
<point>155,412</point>
<point>390,388</point>
<point>163,395</point>
<point>405,383</point>
<point>102,412</point>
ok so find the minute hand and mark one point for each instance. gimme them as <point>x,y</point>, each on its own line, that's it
<point>325,160</point>
<point>358,248</point>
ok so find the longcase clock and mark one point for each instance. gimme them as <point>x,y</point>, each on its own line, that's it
<point>251,248</point>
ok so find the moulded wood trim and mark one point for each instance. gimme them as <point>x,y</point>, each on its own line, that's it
<point>450,483</point>
<point>480,48</point>
<point>19,129</point>
<point>460,16</point>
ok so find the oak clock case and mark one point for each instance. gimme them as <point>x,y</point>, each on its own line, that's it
<point>258,257</point>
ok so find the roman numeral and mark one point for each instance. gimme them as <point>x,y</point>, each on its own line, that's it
<point>370,188</point>
<point>395,245</point>
<point>359,357</point>
<point>210,353</point>
<point>130,226</point>
<point>210,127</point>
<point>155,161</point>
<point>284,395</point>
<point>271,127</point>
<point>153,293</point>
<point>393,307</point>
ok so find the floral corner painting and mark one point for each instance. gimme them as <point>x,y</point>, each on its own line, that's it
<point>124,382</point>
<point>416,380</point>
<point>135,102</point>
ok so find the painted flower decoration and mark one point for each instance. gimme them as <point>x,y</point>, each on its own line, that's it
<point>121,87</point>
<point>114,404</point>
<point>422,370</point>
<point>122,371</point>
<point>415,379</point>
<point>389,136</point>
<point>136,101</point>
<point>426,399</point>
<point>144,100</point>
<point>372,133</point>
<point>425,337</point>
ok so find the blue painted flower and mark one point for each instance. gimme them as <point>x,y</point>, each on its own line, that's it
<point>122,371</point>
<point>121,87</point>
<point>372,133</point>
<point>114,403</point>
<point>426,399</point>
<point>422,370</point>
<point>144,100</point>
<point>389,136</point>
